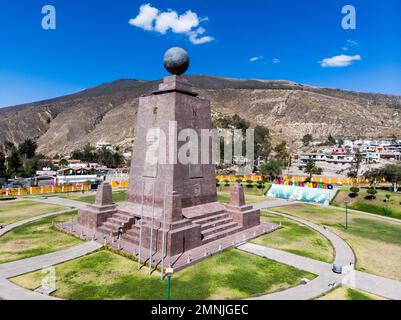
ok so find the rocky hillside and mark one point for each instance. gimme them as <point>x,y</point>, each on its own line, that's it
<point>290,110</point>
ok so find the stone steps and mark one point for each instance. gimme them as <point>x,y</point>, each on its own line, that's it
<point>205,220</point>
<point>216,223</point>
<point>114,223</point>
<point>221,234</point>
<point>220,228</point>
<point>122,216</point>
<point>107,231</point>
<point>199,212</point>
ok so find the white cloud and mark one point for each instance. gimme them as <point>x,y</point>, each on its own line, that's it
<point>196,36</point>
<point>275,61</point>
<point>339,61</point>
<point>254,59</point>
<point>147,14</point>
<point>350,44</point>
<point>152,19</point>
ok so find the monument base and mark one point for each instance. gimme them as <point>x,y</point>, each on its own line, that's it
<point>179,229</point>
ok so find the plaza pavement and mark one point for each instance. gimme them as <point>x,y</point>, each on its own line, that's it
<point>10,291</point>
<point>325,281</point>
<point>60,202</point>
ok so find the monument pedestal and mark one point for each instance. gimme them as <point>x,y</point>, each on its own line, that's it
<point>245,215</point>
<point>93,216</point>
<point>170,202</point>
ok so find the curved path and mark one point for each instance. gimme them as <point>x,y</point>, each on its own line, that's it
<point>344,256</point>
<point>17,224</point>
<point>61,202</point>
<point>10,291</point>
<point>326,279</point>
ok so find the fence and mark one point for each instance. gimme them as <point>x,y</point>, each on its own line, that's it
<point>124,184</point>
<point>295,179</point>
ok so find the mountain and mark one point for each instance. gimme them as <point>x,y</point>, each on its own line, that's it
<point>290,110</point>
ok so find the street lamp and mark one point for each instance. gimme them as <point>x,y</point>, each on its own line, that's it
<point>169,273</point>
<point>346,202</point>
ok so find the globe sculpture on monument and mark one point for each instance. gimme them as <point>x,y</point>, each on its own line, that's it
<point>171,215</point>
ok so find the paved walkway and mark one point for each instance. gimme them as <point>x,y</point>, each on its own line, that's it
<point>344,254</point>
<point>380,286</point>
<point>61,202</point>
<point>12,226</point>
<point>10,291</point>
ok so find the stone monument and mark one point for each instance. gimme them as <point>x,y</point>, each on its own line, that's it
<point>169,203</point>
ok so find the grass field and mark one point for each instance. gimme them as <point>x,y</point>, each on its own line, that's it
<point>118,196</point>
<point>229,275</point>
<point>250,191</point>
<point>374,206</point>
<point>298,239</point>
<point>224,197</point>
<point>342,293</point>
<point>14,211</point>
<point>35,239</point>
<point>376,243</point>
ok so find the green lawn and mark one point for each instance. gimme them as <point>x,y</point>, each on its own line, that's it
<point>298,239</point>
<point>118,196</point>
<point>342,293</point>
<point>224,197</point>
<point>35,239</point>
<point>231,274</point>
<point>376,242</point>
<point>14,211</point>
<point>374,206</point>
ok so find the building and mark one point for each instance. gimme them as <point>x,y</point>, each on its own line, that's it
<point>106,145</point>
<point>78,176</point>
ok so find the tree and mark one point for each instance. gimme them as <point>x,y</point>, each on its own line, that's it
<point>282,153</point>
<point>354,191</point>
<point>356,165</point>
<point>14,163</point>
<point>312,169</point>
<point>9,147</point>
<point>373,175</point>
<point>3,169</point>
<point>27,149</point>
<point>388,196</point>
<point>262,142</point>
<point>307,139</point>
<point>331,141</point>
<point>392,173</point>
<point>271,169</point>
<point>63,163</point>
<point>372,193</point>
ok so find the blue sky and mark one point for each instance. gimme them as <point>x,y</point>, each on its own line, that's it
<point>93,43</point>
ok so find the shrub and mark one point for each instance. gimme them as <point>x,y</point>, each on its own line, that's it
<point>260,184</point>
<point>388,196</point>
<point>354,192</point>
<point>226,183</point>
<point>372,193</point>
<point>387,211</point>
<point>249,184</point>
